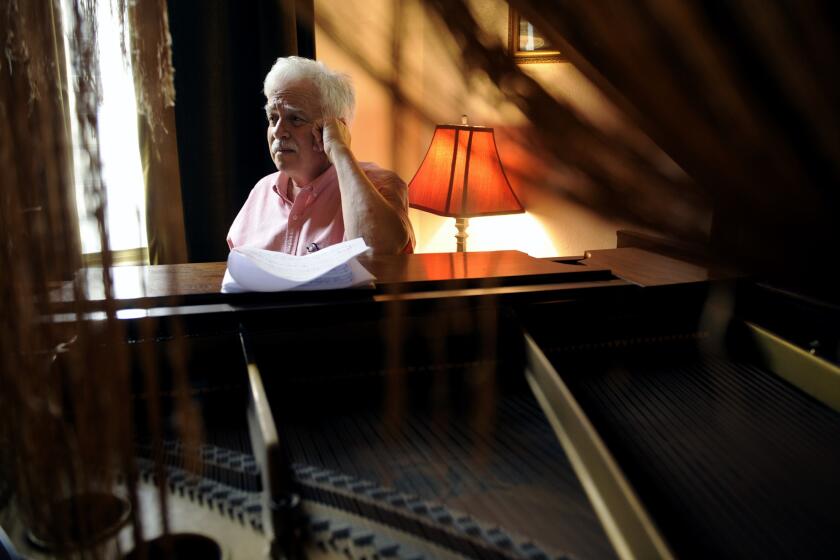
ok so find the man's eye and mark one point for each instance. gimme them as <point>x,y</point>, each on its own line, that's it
<point>272,119</point>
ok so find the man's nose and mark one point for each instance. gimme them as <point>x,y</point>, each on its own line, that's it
<point>279,129</point>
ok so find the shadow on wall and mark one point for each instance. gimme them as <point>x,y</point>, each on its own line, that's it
<point>411,77</point>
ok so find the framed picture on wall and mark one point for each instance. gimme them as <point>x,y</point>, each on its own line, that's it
<point>527,45</point>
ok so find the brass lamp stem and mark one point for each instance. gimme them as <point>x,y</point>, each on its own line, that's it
<point>461,225</point>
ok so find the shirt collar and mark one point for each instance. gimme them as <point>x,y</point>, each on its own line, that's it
<point>317,186</point>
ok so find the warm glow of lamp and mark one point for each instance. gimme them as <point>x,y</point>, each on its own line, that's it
<point>462,177</point>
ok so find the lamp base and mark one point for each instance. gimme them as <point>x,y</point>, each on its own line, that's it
<point>461,225</point>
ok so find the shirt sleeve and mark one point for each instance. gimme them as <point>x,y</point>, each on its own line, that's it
<point>395,192</point>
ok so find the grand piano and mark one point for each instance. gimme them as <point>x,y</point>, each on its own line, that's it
<point>620,404</point>
<point>637,402</point>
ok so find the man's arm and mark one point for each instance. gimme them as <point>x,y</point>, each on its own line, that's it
<point>367,213</point>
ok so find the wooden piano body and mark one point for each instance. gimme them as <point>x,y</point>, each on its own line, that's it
<point>492,405</point>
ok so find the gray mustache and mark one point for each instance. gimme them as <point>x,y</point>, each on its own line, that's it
<point>276,145</point>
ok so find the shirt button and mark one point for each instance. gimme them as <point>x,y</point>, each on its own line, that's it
<point>294,218</point>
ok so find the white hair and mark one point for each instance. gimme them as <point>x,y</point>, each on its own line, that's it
<point>338,100</point>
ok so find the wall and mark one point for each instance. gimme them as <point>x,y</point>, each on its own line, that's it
<point>407,79</point>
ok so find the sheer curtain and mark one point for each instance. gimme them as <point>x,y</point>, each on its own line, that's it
<point>153,78</point>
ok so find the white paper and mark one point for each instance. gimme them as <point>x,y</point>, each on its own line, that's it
<point>258,270</point>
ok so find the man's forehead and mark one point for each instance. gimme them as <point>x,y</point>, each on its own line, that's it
<point>295,94</point>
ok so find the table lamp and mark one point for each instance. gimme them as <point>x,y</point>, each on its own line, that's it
<point>462,177</point>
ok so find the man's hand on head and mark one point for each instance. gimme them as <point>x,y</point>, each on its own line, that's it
<point>365,210</point>
<point>331,136</point>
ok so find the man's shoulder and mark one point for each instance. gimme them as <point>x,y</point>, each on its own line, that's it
<point>268,181</point>
<point>379,175</point>
<point>264,187</point>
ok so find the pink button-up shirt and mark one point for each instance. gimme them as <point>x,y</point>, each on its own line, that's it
<point>269,220</point>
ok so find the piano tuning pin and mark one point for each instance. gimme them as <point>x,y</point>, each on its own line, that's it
<point>219,498</point>
<point>441,515</point>
<point>304,471</point>
<point>500,539</point>
<point>341,532</point>
<point>364,539</point>
<point>340,480</point>
<point>397,501</point>
<point>319,525</point>
<point>253,507</point>
<point>388,551</point>
<point>340,540</point>
<point>236,500</point>
<point>468,526</point>
<point>361,486</point>
<point>362,545</point>
<point>418,507</point>
<point>379,493</point>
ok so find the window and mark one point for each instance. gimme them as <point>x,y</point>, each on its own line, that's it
<point>122,172</point>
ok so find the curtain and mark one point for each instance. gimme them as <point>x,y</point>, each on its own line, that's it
<point>221,53</point>
<point>38,197</point>
<point>47,411</point>
<point>151,59</point>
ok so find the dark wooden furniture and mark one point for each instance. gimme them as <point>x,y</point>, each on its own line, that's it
<point>149,284</point>
<point>145,286</point>
<point>442,389</point>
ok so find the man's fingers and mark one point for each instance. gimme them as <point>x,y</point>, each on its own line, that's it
<point>329,133</point>
<point>343,130</point>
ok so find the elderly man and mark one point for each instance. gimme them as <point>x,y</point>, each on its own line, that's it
<point>320,194</point>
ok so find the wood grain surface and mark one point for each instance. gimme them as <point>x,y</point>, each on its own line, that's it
<point>652,269</point>
<point>403,272</point>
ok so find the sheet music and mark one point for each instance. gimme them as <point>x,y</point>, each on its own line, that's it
<point>258,270</point>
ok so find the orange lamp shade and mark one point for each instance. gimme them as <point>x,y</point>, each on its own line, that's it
<point>462,175</point>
